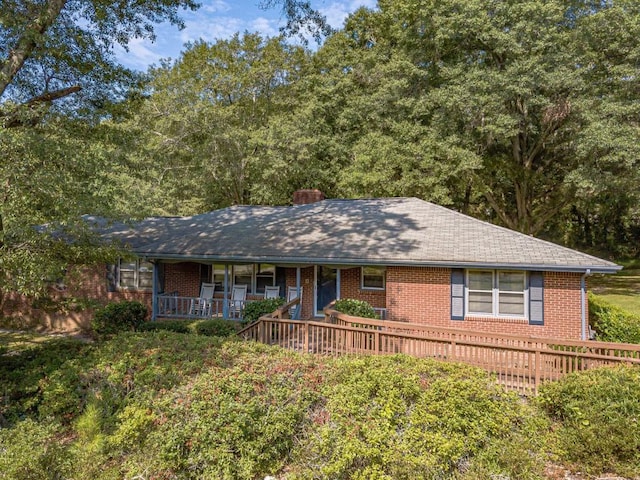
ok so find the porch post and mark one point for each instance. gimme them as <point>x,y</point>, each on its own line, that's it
<point>154,294</point>
<point>225,288</point>
<point>298,310</point>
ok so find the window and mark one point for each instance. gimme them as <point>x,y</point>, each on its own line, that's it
<point>373,278</point>
<point>136,274</point>
<point>265,277</point>
<point>243,275</point>
<point>255,277</point>
<point>496,293</point>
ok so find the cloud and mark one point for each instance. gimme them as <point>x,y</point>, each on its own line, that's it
<point>265,26</point>
<point>337,12</point>
<point>140,54</point>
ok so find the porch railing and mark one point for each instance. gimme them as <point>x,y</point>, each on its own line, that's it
<point>519,363</point>
<point>173,306</point>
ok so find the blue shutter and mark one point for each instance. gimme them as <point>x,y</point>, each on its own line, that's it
<point>112,277</point>
<point>457,294</point>
<point>536,298</point>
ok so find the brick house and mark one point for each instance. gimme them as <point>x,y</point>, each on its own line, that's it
<point>412,260</point>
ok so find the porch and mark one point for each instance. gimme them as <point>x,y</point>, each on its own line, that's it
<point>177,287</point>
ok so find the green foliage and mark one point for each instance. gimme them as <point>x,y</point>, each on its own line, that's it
<point>612,323</point>
<point>356,308</point>
<point>254,310</point>
<point>33,451</point>
<point>598,414</point>
<point>119,317</point>
<point>401,418</point>
<point>177,326</point>
<point>216,327</point>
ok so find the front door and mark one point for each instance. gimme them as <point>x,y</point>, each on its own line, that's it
<point>326,287</point>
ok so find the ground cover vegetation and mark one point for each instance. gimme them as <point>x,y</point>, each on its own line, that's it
<point>169,405</point>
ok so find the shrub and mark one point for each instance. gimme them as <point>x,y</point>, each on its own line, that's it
<point>254,310</point>
<point>598,416</point>
<point>32,451</point>
<point>612,323</point>
<point>177,326</point>
<point>216,328</point>
<point>119,317</point>
<point>356,308</point>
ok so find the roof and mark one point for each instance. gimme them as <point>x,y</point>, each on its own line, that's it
<point>386,231</point>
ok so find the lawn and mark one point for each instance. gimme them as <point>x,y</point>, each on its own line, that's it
<point>621,289</point>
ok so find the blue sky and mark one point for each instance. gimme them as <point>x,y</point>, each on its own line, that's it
<point>220,19</point>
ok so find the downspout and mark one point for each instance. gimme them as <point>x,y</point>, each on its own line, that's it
<point>583,302</point>
<point>154,294</point>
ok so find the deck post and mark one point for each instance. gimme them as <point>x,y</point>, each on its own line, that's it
<point>305,329</point>
<point>298,310</point>
<point>538,367</point>
<point>225,288</point>
<point>154,294</point>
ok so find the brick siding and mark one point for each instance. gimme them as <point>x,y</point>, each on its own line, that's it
<point>422,295</point>
<point>417,295</point>
<point>83,283</point>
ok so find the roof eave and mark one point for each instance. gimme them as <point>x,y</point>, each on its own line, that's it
<point>613,268</point>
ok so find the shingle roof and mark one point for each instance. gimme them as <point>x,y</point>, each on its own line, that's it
<point>387,231</point>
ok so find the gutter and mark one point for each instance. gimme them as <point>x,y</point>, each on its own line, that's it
<point>347,262</point>
<point>583,303</point>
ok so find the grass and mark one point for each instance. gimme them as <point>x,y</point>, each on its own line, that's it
<point>16,342</point>
<point>621,289</point>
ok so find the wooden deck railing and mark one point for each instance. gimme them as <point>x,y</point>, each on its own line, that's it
<point>519,363</point>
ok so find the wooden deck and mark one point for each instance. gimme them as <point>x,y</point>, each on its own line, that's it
<point>519,363</point>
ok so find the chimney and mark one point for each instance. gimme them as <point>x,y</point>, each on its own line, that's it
<point>303,197</point>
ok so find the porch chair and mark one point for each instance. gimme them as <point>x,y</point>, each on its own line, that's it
<point>238,299</point>
<point>271,292</point>
<point>201,306</point>
<point>292,294</point>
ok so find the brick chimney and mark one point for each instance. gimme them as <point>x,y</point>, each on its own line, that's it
<point>302,197</point>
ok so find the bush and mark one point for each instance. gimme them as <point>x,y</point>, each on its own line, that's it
<point>32,451</point>
<point>119,317</point>
<point>177,326</point>
<point>598,416</point>
<point>612,323</point>
<point>216,328</point>
<point>254,310</point>
<point>355,308</point>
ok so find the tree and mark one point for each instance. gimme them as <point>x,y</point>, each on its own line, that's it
<point>537,90</point>
<point>202,124</point>
<point>59,83</point>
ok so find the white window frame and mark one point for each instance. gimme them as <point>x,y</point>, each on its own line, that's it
<point>252,287</point>
<point>136,275</point>
<point>383,274</point>
<point>495,295</point>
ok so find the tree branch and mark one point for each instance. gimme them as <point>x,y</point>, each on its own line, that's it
<point>15,119</point>
<point>28,41</point>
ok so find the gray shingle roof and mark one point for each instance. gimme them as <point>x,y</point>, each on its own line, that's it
<point>388,231</point>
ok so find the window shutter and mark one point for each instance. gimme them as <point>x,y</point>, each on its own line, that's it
<point>112,278</point>
<point>457,294</point>
<point>536,298</point>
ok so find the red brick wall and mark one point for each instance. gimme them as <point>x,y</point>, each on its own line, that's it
<point>350,288</point>
<point>422,295</point>
<point>183,278</point>
<point>306,282</point>
<point>83,283</point>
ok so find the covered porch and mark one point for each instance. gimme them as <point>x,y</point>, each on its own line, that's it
<point>178,287</point>
<point>196,290</point>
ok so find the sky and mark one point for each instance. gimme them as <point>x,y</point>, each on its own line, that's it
<point>220,19</point>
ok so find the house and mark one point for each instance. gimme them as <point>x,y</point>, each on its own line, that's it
<point>412,260</point>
